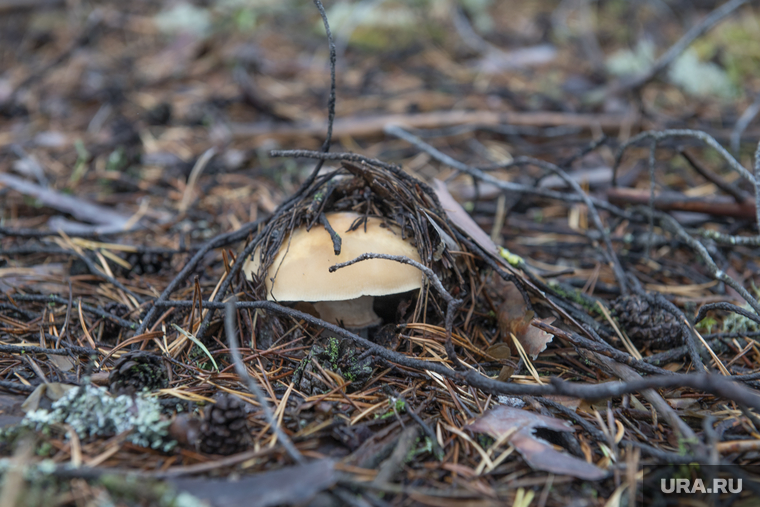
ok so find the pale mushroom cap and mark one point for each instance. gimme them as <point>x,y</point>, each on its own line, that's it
<point>303,268</point>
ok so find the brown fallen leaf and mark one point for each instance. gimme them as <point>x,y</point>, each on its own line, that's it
<point>539,454</point>
<point>460,218</point>
<point>534,340</point>
<point>503,352</point>
<point>514,317</point>
<point>499,351</point>
<point>44,395</point>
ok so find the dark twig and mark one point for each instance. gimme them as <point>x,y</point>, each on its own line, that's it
<point>673,354</point>
<point>506,186</point>
<point>35,233</point>
<point>726,307</point>
<point>731,189</point>
<point>601,348</point>
<point>658,136</point>
<point>437,451</point>
<point>331,99</point>
<point>757,182</point>
<point>16,386</point>
<point>742,123</point>
<point>671,225</point>
<point>52,298</point>
<point>658,300</point>
<point>305,186</point>
<point>20,311</point>
<point>726,387</point>
<point>333,235</point>
<point>66,351</point>
<point>99,272</point>
<point>229,325</point>
<point>330,107</point>
<point>352,157</point>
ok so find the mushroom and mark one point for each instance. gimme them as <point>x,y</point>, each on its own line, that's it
<point>301,269</point>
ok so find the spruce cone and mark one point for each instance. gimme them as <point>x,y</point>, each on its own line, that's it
<point>224,430</point>
<point>646,324</point>
<point>136,371</point>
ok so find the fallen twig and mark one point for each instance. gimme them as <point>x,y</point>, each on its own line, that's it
<point>229,325</point>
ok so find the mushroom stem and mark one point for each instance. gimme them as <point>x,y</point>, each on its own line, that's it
<point>353,313</point>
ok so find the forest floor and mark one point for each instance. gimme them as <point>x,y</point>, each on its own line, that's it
<point>580,182</point>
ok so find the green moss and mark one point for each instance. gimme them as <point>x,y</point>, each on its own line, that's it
<point>576,296</point>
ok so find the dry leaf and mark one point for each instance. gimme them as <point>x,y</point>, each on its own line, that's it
<point>514,318</point>
<point>681,403</point>
<point>499,351</point>
<point>535,340</point>
<point>460,218</point>
<point>539,454</point>
<point>44,395</point>
<point>503,352</point>
<point>63,363</point>
<point>513,315</point>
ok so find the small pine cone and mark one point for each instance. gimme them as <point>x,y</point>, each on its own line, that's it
<point>644,323</point>
<point>110,328</point>
<point>136,371</point>
<point>224,429</point>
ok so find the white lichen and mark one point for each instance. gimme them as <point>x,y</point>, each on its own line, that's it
<point>91,411</point>
<point>511,401</point>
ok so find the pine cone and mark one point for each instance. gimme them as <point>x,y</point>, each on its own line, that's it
<point>136,371</point>
<point>646,324</point>
<point>224,429</point>
<point>110,328</point>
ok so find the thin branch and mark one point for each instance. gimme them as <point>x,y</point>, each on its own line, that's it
<point>728,307</point>
<point>229,325</point>
<point>726,387</point>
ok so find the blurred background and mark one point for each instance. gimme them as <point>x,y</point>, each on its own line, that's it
<point>116,101</point>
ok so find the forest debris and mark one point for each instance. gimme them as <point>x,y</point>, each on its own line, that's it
<point>42,278</point>
<point>136,371</point>
<point>374,125</point>
<point>405,447</point>
<point>459,217</point>
<point>514,318</point>
<point>676,201</point>
<point>538,453</point>
<point>52,391</point>
<point>106,218</point>
<point>286,486</point>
